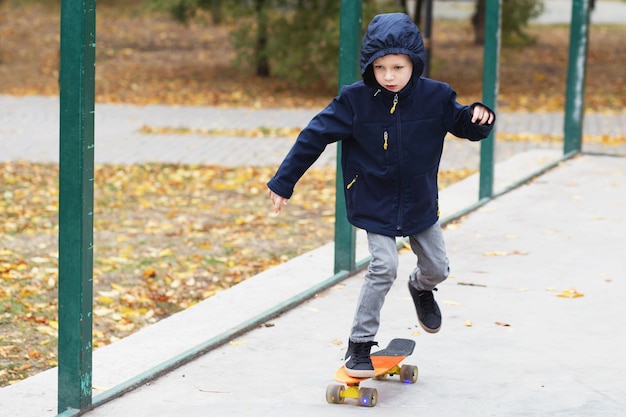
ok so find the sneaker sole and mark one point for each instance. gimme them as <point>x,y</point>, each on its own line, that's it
<point>428,329</point>
<point>360,374</point>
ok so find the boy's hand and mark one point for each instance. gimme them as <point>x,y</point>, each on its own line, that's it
<point>482,115</point>
<point>277,200</point>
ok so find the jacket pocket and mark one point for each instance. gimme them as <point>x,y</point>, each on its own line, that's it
<point>369,199</point>
<point>423,201</point>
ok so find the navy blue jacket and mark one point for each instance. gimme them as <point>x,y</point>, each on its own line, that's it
<point>390,160</point>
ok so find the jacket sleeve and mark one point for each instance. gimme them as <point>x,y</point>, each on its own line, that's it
<point>458,120</point>
<point>332,124</point>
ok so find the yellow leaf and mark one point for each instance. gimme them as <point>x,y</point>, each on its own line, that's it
<point>165,252</point>
<point>47,330</point>
<point>468,323</point>
<point>571,293</point>
<point>104,299</point>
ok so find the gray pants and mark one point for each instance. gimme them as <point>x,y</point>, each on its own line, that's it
<point>432,268</point>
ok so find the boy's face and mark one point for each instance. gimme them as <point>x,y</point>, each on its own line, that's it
<point>393,71</point>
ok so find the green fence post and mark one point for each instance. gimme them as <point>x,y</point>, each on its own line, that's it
<point>490,93</point>
<point>349,39</point>
<point>576,71</point>
<point>76,182</point>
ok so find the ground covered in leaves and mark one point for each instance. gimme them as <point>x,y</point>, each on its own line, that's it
<point>163,245</point>
<point>159,246</point>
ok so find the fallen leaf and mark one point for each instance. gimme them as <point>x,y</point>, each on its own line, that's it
<point>501,323</point>
<point>495,253</point>
<point>149,273</point>
<point>570,293</point>
<point>47,330</point>
<point>504,253</point>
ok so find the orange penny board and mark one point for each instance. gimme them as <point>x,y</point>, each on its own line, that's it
<point>382,364</point>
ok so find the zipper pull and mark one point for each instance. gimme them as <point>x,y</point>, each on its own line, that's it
<point>386,140</point>
<point>352,182</point>
<point>395,103</point>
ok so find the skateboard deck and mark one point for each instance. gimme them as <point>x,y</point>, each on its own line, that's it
<point>386,363</point>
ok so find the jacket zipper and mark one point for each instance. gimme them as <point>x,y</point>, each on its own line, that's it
<point>395,103</point>
<point>385,140</point>
<point>400,168</point>
<point>351,183</point>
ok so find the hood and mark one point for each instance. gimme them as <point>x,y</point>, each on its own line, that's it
<point>391,33</point>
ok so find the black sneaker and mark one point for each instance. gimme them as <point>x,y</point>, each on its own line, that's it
<point>428,313</point>
<point>358,361</point>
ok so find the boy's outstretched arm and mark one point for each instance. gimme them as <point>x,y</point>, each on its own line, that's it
<point>277,200</point>
<point>482,115</point>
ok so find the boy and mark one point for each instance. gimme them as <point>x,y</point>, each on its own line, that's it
<point>391,126</point>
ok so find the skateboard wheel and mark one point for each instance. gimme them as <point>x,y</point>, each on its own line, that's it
<point>408,374</point>
<point>368,397</point>
<point>334,394</point>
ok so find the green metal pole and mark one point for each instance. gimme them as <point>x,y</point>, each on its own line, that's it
<point>349,39</point>
<point>76,184</point>
<point>576,71</point>
<point>490,93</point>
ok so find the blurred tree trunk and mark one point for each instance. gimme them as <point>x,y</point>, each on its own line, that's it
<point>418,11</point>
<point>216,12</point>
<point>516,15</point>
<point>262,62</point>
<point>478,22</point>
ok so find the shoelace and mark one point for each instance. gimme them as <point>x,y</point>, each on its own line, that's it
<point>427,301</point>
<point>361,352</point>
